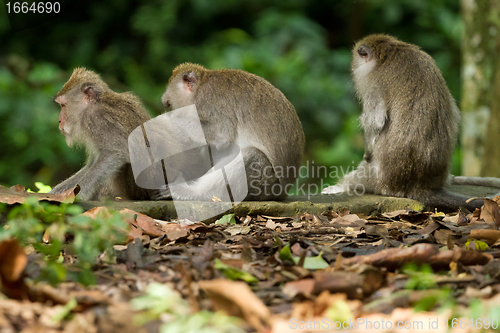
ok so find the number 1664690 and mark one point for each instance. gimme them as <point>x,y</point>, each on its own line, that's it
<point>35,7</point>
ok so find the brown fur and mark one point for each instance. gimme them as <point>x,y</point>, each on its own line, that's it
<point>235,106</point>
<point>410,121</point>
<point>102,125</point>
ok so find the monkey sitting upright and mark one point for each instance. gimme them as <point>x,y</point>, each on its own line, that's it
<point>410,123</point>
<point>242,110</point>
<point>236,109</point>
<point>101,120</point>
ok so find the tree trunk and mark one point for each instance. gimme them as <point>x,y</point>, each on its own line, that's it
<point>491,160</point>
<point>480,115</point>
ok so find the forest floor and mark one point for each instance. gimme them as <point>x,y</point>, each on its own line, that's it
<point>334,271</point>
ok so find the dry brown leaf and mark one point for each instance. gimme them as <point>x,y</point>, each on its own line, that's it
<point>238,229</point>
<point>271,224</point>
<point>278,218</point>
<point>13,261</point>
<point>303,287</point>
<point>175,231</point>
<point>142,224</point>
<point>396,257</point>
<point>421,253</point>
<point>490,212</point>
<point>486,235</point>
<point>348,220</point>
<point>339,282</point>
<point>237,299</point>
<point>395,213</point>
<point>98,211</point>
<point>17,194</point>
<point>443,259</point>
<point>443,235</point>
<point>149,225</point>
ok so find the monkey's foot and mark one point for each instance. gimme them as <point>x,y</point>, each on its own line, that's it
<point>161,194</point>
<point>334,189</point>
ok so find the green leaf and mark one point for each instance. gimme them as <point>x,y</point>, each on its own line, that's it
<point>228,218</point>
<point>65,311</point>
<point>233,273</point>
<point>309,262</point>
<point>42,188</point>
<point>481,246</point>
<point>312,262</point>
<point>286,254</point>
<point>53,272</point>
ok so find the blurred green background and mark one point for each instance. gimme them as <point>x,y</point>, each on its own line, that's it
<point>300,46</point>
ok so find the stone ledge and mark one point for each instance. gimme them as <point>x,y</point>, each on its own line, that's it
<point>366,205</point>
<point>316,204</point>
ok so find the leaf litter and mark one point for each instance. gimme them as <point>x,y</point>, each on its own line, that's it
<point>302,273</point>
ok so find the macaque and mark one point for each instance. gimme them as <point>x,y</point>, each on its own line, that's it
<point>94,116</point>
<point>410,123</point>
<point>239,112</point>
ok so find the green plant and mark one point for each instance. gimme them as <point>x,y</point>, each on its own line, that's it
<point>42,188</point>
<point>423,278</point>
<point>48,226</point>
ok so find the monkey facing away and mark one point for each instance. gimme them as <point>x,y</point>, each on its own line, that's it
<point>94,116</point>
<point>410,123</point>
<point>239,112</point>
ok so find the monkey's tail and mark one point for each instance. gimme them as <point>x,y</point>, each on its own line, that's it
<point>476,181</point>
<point>447,201</point>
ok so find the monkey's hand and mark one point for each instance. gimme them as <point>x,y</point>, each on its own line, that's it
<point>334,189</point>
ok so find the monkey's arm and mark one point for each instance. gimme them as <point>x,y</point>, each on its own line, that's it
<point>373,120</point>
<point>93,177</point>
<point>71,182</point>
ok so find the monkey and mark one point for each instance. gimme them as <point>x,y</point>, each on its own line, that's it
<point>94,116</point>
<point>410,123</point>
<point>242,113</point>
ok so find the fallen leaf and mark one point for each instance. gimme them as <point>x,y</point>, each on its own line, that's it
<point>236,299</point>
<point>486,235</point>
<point>238,229</point>
<point>490,212</point>
<point>148,225</point>
<point>13,261</point>
<point>270,224</point>
<point>303,287</point>
<point>175,231</point>
<point>18,194</point>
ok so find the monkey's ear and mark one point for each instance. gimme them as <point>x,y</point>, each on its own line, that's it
<point>190,80</point>
<point>89,94</point>
<point>365,52</point>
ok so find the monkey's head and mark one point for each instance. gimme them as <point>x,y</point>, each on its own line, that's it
<point>79,95</point>
<point>373,50</point>
<point>182,86</point>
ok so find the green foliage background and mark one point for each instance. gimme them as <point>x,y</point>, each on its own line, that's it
<point>300,46</point>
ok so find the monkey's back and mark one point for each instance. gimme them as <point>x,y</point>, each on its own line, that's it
<point>416,146</point>
<point>257,106</point>
<point>118,116</point>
